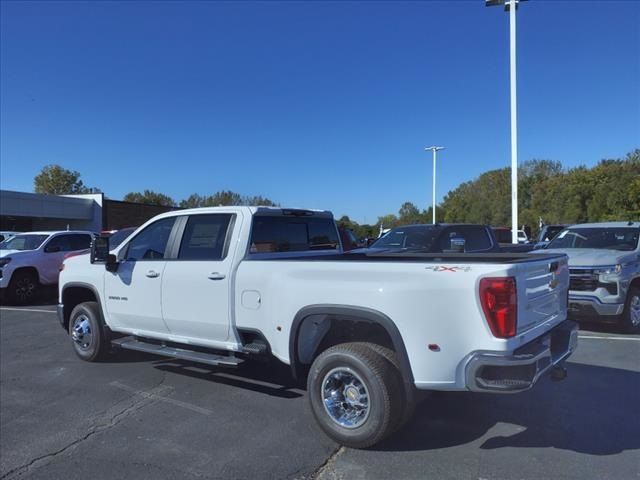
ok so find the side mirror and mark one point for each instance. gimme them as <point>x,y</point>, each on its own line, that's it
<point>100,253</point>
<point>52,249</point>
<point>457,244</point>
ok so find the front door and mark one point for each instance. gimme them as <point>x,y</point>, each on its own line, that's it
<point>195,286</point>
<point>132,294</point>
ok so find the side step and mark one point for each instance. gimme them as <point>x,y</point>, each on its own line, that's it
<point>132,343</point>
<point>255,348</point>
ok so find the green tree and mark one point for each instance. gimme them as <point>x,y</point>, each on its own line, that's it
<point>55,180</point>
<point>409,214</point>
<point>150,198</point>
<point>225,198</point>
<point>258,200</point>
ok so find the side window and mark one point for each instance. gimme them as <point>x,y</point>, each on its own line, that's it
<point>79,241</point>
<point>151,243</point>
<point>61,243</point>
<point>292,234</point>
<point>204,237</point>
<point>477,240</point>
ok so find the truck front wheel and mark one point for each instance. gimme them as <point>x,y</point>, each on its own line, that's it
<point>87,334</point>
<point>355,394</point>
<point>631,315</point>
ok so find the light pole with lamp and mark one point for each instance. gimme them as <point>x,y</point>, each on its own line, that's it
<point>434,149</point>
<point>511,6</point>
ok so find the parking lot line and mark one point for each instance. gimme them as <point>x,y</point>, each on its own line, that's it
<point>9,309</point>
<point>594,337</point>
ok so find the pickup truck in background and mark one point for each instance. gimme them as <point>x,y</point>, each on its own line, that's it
<point>30,260</point>
<point>604,266</point>
<point>445,238</point>
<point>368,331</point>
<point>548,233</point>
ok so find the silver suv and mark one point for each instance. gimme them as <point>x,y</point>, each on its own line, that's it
<point>604,267</point>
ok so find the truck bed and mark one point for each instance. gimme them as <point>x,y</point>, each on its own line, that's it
<point>413,256</point>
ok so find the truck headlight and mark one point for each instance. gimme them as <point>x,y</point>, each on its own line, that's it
<point>4,261</point>
<point>609,270</point>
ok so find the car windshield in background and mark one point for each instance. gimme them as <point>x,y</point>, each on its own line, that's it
<point>23,242</point>
<point>551,233</point>
<point>408,237</point>
<point>117,238</point>
<point>625,239</point>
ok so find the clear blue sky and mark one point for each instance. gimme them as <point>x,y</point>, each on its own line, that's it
<point>323,105</point>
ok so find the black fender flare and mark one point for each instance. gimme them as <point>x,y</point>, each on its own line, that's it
<point>67,313</point>
<point>357,313</point>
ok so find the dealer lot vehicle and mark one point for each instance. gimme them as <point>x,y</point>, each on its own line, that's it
<point>6,235</point>
<point>369,331</point>
<point>604,265</point>
<point>445,238</point>
<point>30,260</point>
<point>548,233</point>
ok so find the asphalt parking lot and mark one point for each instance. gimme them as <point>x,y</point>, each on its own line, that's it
<point>140,416</point>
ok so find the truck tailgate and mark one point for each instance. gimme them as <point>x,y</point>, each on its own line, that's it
<point>544,287</point>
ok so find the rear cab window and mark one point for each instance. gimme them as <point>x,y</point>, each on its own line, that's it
<point>293,233</point>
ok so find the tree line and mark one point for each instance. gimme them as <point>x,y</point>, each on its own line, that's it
<point>546,191</point>
<point>608,191</point>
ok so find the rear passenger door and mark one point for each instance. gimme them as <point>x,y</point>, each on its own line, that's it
<point>196,284</point>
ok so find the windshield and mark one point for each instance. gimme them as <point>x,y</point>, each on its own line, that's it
<point>23,242</point>
<point>118,237</point>
<point>551,232</point>
<point>408,237</point>
<point>625,239</point>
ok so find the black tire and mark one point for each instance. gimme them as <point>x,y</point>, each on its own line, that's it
<point>364,365</point>
<point>24,287</point>
<point>409,399</point>
<point>630,319</point>
<point>87,333</point>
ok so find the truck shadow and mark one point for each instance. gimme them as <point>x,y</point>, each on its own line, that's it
<point>270,377</point>
<point>594,411</point>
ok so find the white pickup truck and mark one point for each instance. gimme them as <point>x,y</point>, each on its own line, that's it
<point>368,331</point>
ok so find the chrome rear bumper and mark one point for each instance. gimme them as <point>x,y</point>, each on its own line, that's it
<point>520,370</point>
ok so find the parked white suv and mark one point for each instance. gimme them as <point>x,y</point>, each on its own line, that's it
<point>29,260</point>
<point>368,330</point>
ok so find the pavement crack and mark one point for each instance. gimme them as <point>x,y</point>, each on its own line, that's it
<point>136,401</point>
<point>324,469</point>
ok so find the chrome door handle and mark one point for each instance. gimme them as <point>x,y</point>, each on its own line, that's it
<point>152,274</point>
<point>216,276</point>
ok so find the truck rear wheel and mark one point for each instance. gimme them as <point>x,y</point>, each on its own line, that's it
<point>356,394</point>
<point>87,334</point>
<point>631,315</point>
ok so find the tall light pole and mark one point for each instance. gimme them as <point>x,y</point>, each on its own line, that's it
<point>511,6</point>
<point>434,149</point>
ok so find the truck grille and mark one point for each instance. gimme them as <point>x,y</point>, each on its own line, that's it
<point>583,282</point>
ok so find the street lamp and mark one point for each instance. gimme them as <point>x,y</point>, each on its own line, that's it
<point>511,6</point>
<point>434,149</point>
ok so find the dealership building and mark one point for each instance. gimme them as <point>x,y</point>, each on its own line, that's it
<point>24,212</point>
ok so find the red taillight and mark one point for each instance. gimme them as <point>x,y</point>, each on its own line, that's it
<point>499,300</point>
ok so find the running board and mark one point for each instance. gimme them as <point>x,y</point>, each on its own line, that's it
<point>131,343</point>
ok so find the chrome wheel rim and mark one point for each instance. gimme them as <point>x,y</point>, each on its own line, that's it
<point>24,289</point>
<point>81,332</point>
<point>634,310</point>
<point>345,397</point>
